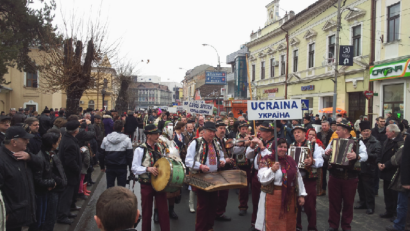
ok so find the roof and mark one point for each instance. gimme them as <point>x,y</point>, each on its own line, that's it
<point>149,85</point>
<point>197,70</point>
<point>207,89</point>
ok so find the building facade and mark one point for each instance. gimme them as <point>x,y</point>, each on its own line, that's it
<point>151,95</point>
<point>293,57</point>
<point>391,71</point>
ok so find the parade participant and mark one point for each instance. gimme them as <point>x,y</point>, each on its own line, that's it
<point>145,156</point>
<point>204,155</point>
<point>335,136</point>
<point>223,194</point>
<point>199,133</point>
<point>309,174</point>
<point>324,137</point>
<point>258,149</point>
<point>243,163</point>
<point>312,137</point>
<point>5,122</point>
<point>170,149</point>
<point>117,209</point>
<point>280,183</point>
<point>343,181</point>
<point>387,170</point>
<point>367,172</point>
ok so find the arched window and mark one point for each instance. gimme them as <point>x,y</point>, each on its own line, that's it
<point>91,104</point>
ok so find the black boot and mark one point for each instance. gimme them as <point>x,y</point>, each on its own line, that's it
<point>156,219</point>
<point>178,199</point>
<point>172,213</point>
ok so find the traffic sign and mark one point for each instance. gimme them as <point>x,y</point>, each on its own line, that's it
<point>215,77</point>
<point>305,105</point>
<point>346,56</point>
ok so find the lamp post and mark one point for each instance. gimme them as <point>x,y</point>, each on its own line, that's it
<point>219,62</point>
<point>103,92</point>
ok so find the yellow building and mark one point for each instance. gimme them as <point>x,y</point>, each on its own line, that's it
<point>23,91</point>
<point>391,72</point>
<point>302,66</point>
<point>92,98</point>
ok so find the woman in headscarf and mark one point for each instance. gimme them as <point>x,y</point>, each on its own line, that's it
<point>282,188</point>
<point>311,135</point>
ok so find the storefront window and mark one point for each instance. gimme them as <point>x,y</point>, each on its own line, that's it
<point>393,100</point>
<point>327,101</point>
<point>310,104</point>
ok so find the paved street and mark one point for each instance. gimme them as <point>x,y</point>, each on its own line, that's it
<point>186,220</point>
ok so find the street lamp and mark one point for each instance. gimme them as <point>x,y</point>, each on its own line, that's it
<point>103,92</point>
<point>219,62</point>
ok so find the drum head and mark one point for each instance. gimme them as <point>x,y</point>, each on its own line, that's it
<point>160,182</point>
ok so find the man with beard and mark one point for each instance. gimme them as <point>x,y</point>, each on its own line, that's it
<point>368,168</point>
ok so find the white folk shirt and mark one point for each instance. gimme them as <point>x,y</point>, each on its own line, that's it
<point>250,154</point>
<point>190,159</point>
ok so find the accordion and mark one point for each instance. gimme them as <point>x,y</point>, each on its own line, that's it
<point>299,154</point>
<point>340,148</point>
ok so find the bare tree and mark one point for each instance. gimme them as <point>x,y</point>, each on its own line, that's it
<point>67,66</point>
<point>122,81</point>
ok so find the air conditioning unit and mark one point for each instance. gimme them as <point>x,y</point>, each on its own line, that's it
<point>81,102</point>
<point>276,63</point>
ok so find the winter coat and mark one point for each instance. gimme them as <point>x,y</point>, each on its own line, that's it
<point>85,154</point>
<point>395,161</point>
<point>389,148</point>
<point>308,126</point>
<point>99,133</point>
<point>288,135</point>
<point>71,159</point>
<point>405,163</point>
<point>2,135</point>
<point>43,177</point>
<point>34,145</point>
<point>380,136</point>
<point>140,123</point>
<point>373,148</point>
<point>117,151</point>
<point>327,139</point>
<point>108,124</point>
<point>17,186</point>
<point>57,171</point>
<point>18,118</point>
<point>45,124</point>
<point>2,214</point>
<point>130,125</point>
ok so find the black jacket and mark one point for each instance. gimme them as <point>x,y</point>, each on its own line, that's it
<point>130,125</point>
<point>17,187</point>
<point>2,135</point>
<point>140,122</point>
<point>308,126</point>
<point>161,124</point>
<point>380,136</point>
<point>373,148</point>
<point>71,159</point>
<point>405,163</point>
<point>45,124</point>
<point>388,150</point>
<point>18,118</point>
<point>328,137</point>
<point>43,178</point>
<point>34,145</point>
<point>57,171</point>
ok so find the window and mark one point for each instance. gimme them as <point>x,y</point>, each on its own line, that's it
<point>393,22</point>
<point>331,54</point>
<point>357,31</point>
<point>295,60</point>
<point>393,100</point>
<point>91,104</point>
<point>272,68</point>
<point>282,65</point>
<point>253,72</point>
<point>262,70</point>
<point>311,55</point>
<point>31,79</point>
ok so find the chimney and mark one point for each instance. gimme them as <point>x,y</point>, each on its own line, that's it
<point>291,14</point>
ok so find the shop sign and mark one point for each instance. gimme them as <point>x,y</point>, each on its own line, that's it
<point>308,88</point>
<point>273,90</point>
<point>368,94</point>
<point>393,70</point>
<point>271,95</point>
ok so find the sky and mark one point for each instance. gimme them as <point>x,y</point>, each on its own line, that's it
<point>171,33</point>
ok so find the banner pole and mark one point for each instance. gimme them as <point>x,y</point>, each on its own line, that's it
<point>276,141</point>
<point>250,87</point>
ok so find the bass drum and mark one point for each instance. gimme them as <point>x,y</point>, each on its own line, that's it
<point>171,175</point>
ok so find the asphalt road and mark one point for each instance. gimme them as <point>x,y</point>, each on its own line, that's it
<point>186,222</point>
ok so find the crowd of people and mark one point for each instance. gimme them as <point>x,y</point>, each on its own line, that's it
<point>47,162</point>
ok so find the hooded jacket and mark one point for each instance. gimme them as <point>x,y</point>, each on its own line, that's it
<point>108,124</point>
<point>117,151</point>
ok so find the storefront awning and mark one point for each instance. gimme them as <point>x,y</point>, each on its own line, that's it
<point>392,70</point>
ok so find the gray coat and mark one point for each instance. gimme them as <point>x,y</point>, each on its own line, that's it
<point>396,180</point>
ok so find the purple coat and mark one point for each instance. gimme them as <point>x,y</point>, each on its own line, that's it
<point>108,124</point>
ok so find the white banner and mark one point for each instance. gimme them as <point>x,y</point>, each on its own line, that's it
<point>185,104</point>
<point>274,109</point>
<point>200,108</point>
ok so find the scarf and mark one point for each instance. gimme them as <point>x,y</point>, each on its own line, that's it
<point>319,142</point>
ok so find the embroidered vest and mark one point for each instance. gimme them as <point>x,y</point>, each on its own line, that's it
<point>310,171</point>
<point>148,160</point>
<point>201,152</point>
